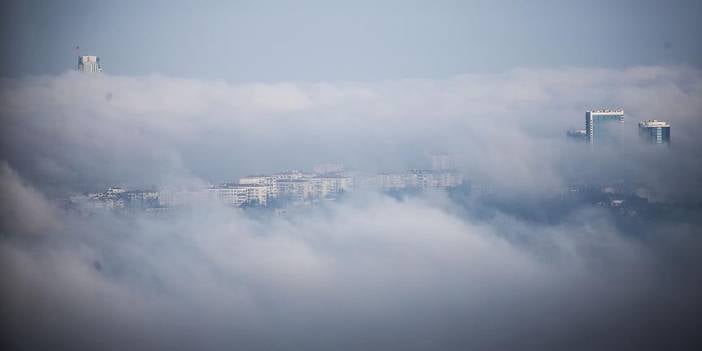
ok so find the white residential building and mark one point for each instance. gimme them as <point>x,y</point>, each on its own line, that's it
<point>362,180</point>
<point>256,194</point>
<point>392,180</point>
<point>330,185</point>
<point>229,195</point>
<point>141,198</point>
<point>239,194</point>
<point>262,180</point>
<point>419,179</point>
<point>90,64</point>
<point>291,175</point>
<point>447,179</point>
<point>295,189</point>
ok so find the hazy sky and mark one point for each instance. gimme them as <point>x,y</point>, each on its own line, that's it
<point>352,40</point>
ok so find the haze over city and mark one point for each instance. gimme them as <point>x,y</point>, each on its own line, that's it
<point>500,175</point>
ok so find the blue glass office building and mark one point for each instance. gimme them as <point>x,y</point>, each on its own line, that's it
<point>655,132</point>
<point>603,126</point>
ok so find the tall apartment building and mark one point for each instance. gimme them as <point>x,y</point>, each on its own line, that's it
<point>90,64</point>
<point>655,132</point>
<point>603,126</point>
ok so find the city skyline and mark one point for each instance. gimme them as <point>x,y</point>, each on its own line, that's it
<point>598,126</point>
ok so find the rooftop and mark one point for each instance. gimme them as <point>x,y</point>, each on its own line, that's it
<point>608,111</point>
<point>653,123</point>
<point>330,176</point>
<point>88,58</point>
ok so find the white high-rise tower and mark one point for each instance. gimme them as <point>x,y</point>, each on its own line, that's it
<point>89,64</point>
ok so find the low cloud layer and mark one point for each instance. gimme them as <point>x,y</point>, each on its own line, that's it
<point>505,128</point>
<point>371,272</point>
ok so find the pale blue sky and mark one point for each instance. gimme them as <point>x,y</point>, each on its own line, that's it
<point>248,41</point>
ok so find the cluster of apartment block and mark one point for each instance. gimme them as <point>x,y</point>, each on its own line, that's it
<point>291,186</point>
<point>301,187</point>
<point>419,178</point>
<point>327,182</point>
<point>117,198</point>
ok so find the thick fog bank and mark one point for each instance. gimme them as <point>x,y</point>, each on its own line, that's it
<point>372,272</point>
<point>73,131</point>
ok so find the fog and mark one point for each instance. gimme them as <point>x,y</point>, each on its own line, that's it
<point>508,129</point>
<point>429,271</point>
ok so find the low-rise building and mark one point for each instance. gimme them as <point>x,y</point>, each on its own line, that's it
<point>420,178</point>
<point>331,185</point>
<point>262,180</point>
<point>239,195</point>
<point>141,198</point>
<point>229,195</point>
<point>387,181</point>
<point>296,190</point>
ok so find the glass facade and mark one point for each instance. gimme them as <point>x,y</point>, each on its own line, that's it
<point>655,134</point>
<point>603,127</point>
